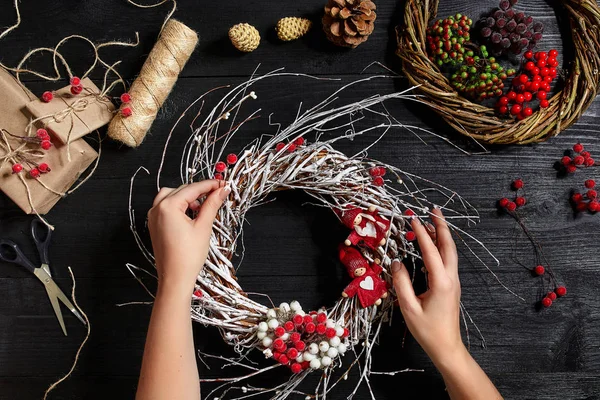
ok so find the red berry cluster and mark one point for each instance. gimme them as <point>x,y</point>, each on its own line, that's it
<point>580,159</point>
<point>519,201</point>
<point>551,296</point>
<point>377,173</point>
<point>43,139</point>
<point>76,86</point>
<point>290,147</point>
<point>126,111</point>
<point>539,72</point>
<point>221,167</point>
<point>587,201</point>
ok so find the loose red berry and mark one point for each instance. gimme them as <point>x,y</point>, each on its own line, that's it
<point>518,184</point>
<point>541,95</point>
<point>75,81</point>
<point>378,181</point>
<point>553,53</point>
<point>321,328</point>
<point>16,168</point>
<point>566,160</point>
<point>330,332</point>
<point>231,159</point>
<point>592,194</point>
<point>76,89</point>
<point>544,103</point>
<point>579,160</point>
<point>43,167</point>
<point>46,144</point>
<point>539,270</point>
<point>528,54</point>
<point>321,317</point>
<point>511,206</point>
<point>410,236</point>
<point>125,98</point>
<point>589,162</point>
<point>279,331</point>
<point>299,141</point>
<point>561,291</point>
<point>577,197</point>
<point>296,368</point>
<point>551,295</point>
<point>218,176</point>
<point>520,201</point>
<point>47,97</point>
<point>503,202</point>
<point>220,166</point>
<point>126,112</point>
<point>515,109</point>
<point>546,302</point>
<point>310,327</point>
<point>291,148</point>
<point>571,169</point>
<point>279,146</point>
<point>34,173</point>
<point>590,183</point>
<point>42,134</point>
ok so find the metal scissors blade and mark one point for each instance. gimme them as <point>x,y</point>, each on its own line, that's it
<point>55,294</point>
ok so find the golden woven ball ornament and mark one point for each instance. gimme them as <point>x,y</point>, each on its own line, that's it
<point>292,28</point>
<point>244,37</point>
<point>581,79</point>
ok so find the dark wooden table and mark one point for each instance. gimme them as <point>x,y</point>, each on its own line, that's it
<point>530,354</point>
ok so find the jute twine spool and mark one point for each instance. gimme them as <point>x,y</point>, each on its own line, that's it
<point>152,87</point>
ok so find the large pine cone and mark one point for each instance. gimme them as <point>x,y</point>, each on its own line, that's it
<point>349,23</point>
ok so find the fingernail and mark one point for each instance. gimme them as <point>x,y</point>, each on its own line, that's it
<point>225,192</point>
<point>396,265</point>
<point>435,206</point>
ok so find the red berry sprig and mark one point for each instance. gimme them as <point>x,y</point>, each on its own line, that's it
<point>290,147</point>
<point>580,159</point>
<point>588,200</point>
<point>20,160</point>
<point>519,201</point>
<point>125,98</point>
<point>47,97</point>
<point>532,84</point>
<point>76,86</point>
<point>446,39</point>
<point>377,173</point>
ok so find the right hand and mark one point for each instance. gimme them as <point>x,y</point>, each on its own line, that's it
<point>433,317</point>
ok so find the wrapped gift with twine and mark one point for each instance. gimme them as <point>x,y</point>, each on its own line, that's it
<point>34,196</point>
<point>70,116</point>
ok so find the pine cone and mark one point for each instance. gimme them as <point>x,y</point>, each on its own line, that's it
<point>291,28</point>
<point>244,37</point>
<point>349,23</point>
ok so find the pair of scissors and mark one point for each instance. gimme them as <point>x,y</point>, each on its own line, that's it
<point>11,253</point>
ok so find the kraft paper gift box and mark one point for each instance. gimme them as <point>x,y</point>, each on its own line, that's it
<point>70,117</point>
<point>14,118</point>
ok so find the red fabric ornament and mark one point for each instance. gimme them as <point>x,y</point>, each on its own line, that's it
<point>366,283</point>
<point>220,166</point>
<point>368,227</point>
<point>47,97</point>
<point>561,291</point>
<point>231,159</point>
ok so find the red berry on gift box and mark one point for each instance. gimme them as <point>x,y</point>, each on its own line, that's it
<point>321,317</point>
<point>520,201</point>
<point>76,89</point>
<point>218,176</point>
<point>34,173</point>
<point>125,98</point>
<point>126,112</point>
<point>279,331</point>
<point>47,97</point>
<point>220,166</point>
<point>589,162</point>
<point>551,295</point>
<point>231,159</point>
<point>503,202</point>
<point>577,197</point>
<point>571,169</point>
<point>518,184</point>
<point>515,109</point>
<point>566,160</point>
<point>321,328</point>
<point>296,368</point>
<point>292,353</point>
<point>592,194</point>
<point>546,302</point>
<point>578,148</point>
<point>42,134</point>
<point>330,332</point>
<point>561,291</point>
<point>541,95</point>
<point>511,206</point>
<point>410,236</point>
<point>279,146</point>
<point>528,54</point>
<point>539,270</point>
<point>299,141</point>
<point>16,168</point>
<point>289,326</point>
<point>46,144</point>
<point>579,160</point>
<point>378,181</point>
<point>43,167</point>
<point>310,327</point>
<point>544,103</point>
<point>300,345</point>
<point>295,337</point>
<point>75,81</point>
<point>553,53</point>
<point>590,183</point>
<point>283,359</point>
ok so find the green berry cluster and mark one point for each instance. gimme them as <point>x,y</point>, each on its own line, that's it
<point>480,77</point>
<point>446,39</point>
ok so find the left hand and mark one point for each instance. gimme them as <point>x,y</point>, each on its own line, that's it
<point>181,243</point>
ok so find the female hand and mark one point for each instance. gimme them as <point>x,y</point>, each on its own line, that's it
<point>433,317</point>
<point>180,243</point>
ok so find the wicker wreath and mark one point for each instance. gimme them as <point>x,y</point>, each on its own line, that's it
<point>581,83</point>
<point>287,161</point>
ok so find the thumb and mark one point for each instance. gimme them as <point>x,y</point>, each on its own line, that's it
<point>210,207</point>
<point>404,289</point>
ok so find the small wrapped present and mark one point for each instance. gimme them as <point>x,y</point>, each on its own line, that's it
<point>70,116</point>
<point>30,194</point>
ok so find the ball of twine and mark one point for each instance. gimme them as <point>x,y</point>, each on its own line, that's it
<point>152,87</point>
<point>581,84</point>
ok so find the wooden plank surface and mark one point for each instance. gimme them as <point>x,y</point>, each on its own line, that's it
<point>553,354</point>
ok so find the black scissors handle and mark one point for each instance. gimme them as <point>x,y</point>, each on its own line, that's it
<point>41,234</point>
<point>11,253</point>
